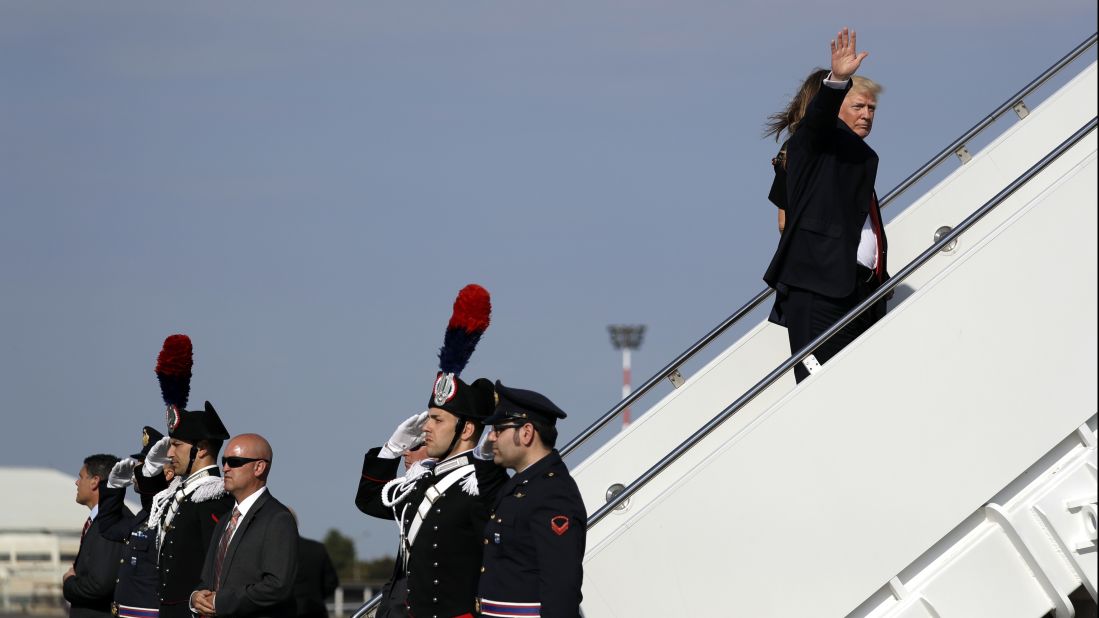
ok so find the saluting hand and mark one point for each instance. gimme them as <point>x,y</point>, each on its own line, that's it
<point>845,59</point>
<point>408,435</point>
<point>157,457</point>
<point>122,474</point>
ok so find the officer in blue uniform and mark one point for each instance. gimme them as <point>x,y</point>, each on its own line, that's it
<point>534,540</point>
<point>135,594</point>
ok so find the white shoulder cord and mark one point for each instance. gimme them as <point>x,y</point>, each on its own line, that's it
<point>395,491</point>
<point>404,484</point>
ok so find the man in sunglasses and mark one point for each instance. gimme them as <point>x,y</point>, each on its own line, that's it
<point>253,558</point>
<point>534,540</point>
<point>441,508</point>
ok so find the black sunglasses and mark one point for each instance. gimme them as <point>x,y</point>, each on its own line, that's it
<point>503,428</point>
<point>236,462</point>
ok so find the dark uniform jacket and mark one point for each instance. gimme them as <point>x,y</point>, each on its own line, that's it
<point>91,590</point>
<point>135,592</point>
<point>534,544</point>
<point>830,173</point>
<point>316,580</point>
<point>445,557</point>
<point>261,560</point>
<point>187,536</point>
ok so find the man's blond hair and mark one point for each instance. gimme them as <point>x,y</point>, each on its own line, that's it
<point>865,85</point>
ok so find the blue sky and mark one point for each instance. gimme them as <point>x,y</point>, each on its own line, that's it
<point>303,188</point>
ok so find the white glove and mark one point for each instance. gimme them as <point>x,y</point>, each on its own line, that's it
<point>157,457</point>
<point>409,434</point>
<point>122,474</point>
<point>483,450</point>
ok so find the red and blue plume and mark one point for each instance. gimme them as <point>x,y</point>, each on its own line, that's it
<point>173,371</point>
<point>471,314</point>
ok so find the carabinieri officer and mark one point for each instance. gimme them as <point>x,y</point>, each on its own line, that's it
<point>534,540</point>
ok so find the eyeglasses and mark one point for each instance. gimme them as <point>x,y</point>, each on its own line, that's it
<point>502,428</point>
<point>236,462</point>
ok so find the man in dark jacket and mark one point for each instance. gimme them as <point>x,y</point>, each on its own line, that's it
<point>831,255</point>
<point>135,593</point>
<point>253,558</point>
<point>185,514</point>
<point>537,530</point>
<point>316,581</point>
<point>88,585</point>
<point>441,508</point>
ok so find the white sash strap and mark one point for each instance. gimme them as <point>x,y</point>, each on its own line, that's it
<point>432,494</point>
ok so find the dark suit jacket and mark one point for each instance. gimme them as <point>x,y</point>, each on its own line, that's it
<point>91,590</point>
<point>257,576</point>
<point>317,579</point>
<point>830,175</point>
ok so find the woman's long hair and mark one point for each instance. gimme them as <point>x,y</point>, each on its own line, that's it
<point>787,120</point>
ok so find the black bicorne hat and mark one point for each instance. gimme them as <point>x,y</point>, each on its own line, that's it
<point>472,401</point>
<point>192,426</point>
<point>521,404</point>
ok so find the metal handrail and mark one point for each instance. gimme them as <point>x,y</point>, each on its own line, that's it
<point>665,372</point>
<point>373,603</point>
<point>764,294</point>
<point>878,295</point>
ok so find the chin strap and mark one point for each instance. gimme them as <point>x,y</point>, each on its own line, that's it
<point>461,425</point>
<point>191,460</point>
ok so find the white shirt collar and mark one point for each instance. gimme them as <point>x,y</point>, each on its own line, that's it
<point>247,503</point>
<point>94,512</point>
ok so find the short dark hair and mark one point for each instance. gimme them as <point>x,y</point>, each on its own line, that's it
<point>546,433</point>
<point>478,430</point>
<point>100,465</point>
<point>213,446</point>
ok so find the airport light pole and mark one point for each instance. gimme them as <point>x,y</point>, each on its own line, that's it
<point>626,338</point>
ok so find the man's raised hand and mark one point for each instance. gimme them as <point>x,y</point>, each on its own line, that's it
<point>122,474</point>
<point>157,457</point>
<point>845,59</point>
<point>408,435</point>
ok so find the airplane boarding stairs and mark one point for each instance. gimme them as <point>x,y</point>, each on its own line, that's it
<point>943,464</point>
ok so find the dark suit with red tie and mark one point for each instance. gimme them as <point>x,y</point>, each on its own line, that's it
<point>91,590</point>
<point>259,563</point>
<point>830,174</point>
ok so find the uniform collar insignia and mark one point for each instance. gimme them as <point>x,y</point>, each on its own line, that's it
<point>451,464</point>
